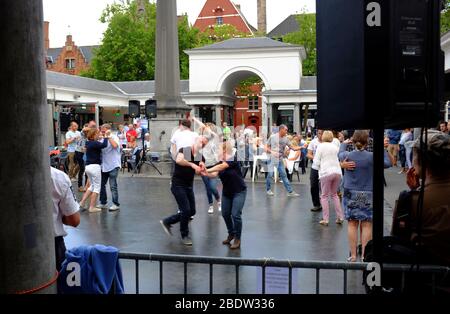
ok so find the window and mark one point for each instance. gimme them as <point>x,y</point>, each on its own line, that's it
<point>219,20</point>
<point>253,103</point>
<point>70,64</point>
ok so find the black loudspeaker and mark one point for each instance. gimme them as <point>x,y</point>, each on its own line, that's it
<point>64,121</point>
<point>134,108</point>
<point>378,60</point>
<point>150,109</point>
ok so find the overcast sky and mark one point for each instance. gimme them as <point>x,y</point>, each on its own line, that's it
<point>81,17</point>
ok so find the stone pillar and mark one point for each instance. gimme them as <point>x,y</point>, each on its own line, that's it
<point>269,119</point>
<point>171,108</point>
<point>97,115</point>
<point>297,126</point>
<point>219,116</point>
<point>27,247</point>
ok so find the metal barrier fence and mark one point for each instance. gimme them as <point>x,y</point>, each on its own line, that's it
<point>264,263</point>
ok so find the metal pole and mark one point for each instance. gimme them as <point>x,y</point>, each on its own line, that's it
<point>27,243</point>
<point>378,192</point>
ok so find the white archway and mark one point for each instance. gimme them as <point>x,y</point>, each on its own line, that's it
<point>278,64</point>
<point>230,79</point>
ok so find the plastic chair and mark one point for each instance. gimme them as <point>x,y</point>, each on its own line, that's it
<point>295,169</point>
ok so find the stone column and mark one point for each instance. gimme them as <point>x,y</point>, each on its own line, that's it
<point>219,116</point>
<point>27,247</point>
<point>297,126</point>
<point>171,108</point>
<point>269,119</point>
<point>97,115</point>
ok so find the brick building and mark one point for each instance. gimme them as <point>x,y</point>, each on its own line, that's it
<point>248,108</point>
<point>222,12</point>
<point>70,59</point>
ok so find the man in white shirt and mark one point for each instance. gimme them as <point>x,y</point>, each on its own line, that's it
<point>183,137</point>
<point>314,175</point>
<point>111,163</point>
<point>276,148</point>
<point>65,211</point>
<point>72,137</point>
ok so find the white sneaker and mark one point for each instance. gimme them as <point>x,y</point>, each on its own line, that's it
<point>270,193</point>
<point>114,207</point>
<point>102,206</point>
<point>219,206</point>
<point>211,209</point>
<point>293,194</point>
<point>95,210</point>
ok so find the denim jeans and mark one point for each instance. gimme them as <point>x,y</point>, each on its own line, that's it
<point>211,189</point>
<point>186,204</point>
<point>281,172</point>
<point>112,176</point>
<point>232,212</point>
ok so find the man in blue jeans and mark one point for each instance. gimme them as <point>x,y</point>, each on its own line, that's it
<point>275,148</point>
<point>111,163</point>
<point>188,163</point>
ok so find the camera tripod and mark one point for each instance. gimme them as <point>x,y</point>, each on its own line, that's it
<point>144,159</point>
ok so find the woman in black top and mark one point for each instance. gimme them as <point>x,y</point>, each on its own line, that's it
<point>93,167</point>
<point>233,194</point>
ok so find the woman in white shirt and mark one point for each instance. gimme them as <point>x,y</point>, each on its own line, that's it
<point>330,174</point>
<point>292,158</point>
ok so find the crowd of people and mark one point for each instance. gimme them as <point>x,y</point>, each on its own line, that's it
<point>341,174</point>
<point>94,155</point>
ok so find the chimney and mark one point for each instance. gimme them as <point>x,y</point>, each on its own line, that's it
<point>262,16</point>
<point>141,7</point>
<point>46,38</point>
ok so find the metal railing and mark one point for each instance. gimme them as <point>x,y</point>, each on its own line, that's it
<point>264,263</point>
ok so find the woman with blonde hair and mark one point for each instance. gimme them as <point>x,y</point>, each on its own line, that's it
<point>330,174</point>
<point>233,194</point>
<point>292,158</point>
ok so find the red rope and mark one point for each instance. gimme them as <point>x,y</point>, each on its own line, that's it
<point>42,287</point>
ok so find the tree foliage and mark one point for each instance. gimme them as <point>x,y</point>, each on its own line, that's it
<point>305,36</point>
<point>127,51</point>
<point>445,17</point>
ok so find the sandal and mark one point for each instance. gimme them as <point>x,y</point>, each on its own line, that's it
<point>324,223</point>
<point>351,259</point>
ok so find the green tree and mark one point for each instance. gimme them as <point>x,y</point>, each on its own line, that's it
<point>306,37</point>
<point>188,38</point>
<point>127,51</point>
<point>445,17</point>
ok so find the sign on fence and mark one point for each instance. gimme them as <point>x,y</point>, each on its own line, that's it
<point>277,280</point>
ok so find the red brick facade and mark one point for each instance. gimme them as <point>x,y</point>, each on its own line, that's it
<point>70,59</point>
<point>248,109</point>
<point>216,12</point>
<point>230,14</point>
